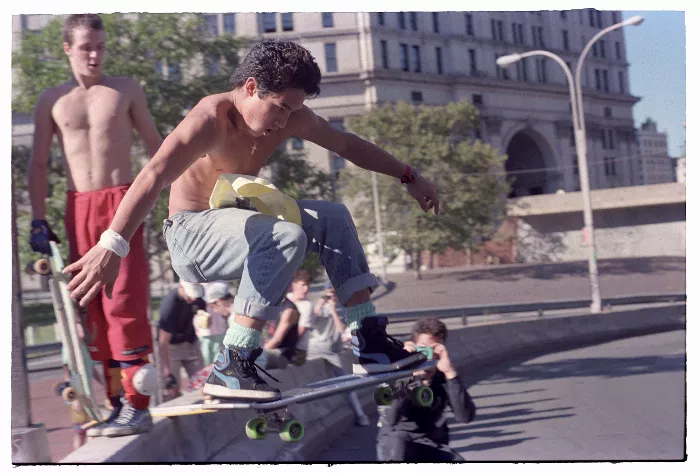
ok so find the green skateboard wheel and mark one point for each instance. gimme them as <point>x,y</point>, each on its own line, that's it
<point>383,396</point>
<point>422,396</point>
<point>255,428</point>
<point>291,431</point>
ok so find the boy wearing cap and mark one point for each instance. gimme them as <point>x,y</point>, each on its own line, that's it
<point>179,346</point>
<point>211,326</point>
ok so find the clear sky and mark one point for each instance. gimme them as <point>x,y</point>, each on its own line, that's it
<point>656,52</point>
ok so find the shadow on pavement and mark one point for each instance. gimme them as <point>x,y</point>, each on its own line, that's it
<point>589,367</point>
<point>491,445</point>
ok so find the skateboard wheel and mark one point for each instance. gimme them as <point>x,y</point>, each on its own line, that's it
<point>42,266</point>
<point>291,431</point>
<point>422,396</point>
<point>68,394</point>
<point>255,428</point>
<point>60,386</point>
<point>383,396</point>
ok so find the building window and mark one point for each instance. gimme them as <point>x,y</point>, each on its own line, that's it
<point>229,23</point>
<point>402,20</point>
<point>597,79</point>
<point>497,30</point>
<point>572,137</point>
<point>501,72</point>
<point>436,22</point>
<point>540,36</point>
<point>599,17</point>
<point>269,22</point>
<point>413,18</point>
<point>380,18</point>
<point>472,62</point>
<point>565,39</point>
<point>608,112</point>
<point>404,57</point>
<point>297,143</point>
<point>417,97</point>
<point>211,25</point>
<point>415,53</point>
<point>574,161</point>
<point>477,99</point>
<point>327,19</point>
<point>438,58</point>
<point>331,62</point>
<point>602,48</point>
<point>610,166</point>
<point>541,65</point>
<point>525,68</point>
<point>591,17</point>
<point>606,88</point>
<point>469,24</point>
<point>385,54</point>
<point>621,79</point>
<point>212,64</point>
<point>562,14</point>
<point>595,49</point>
<point>287,22</point>
<point>611,143</point>
<point>618,51</point>
<point>174,72</point>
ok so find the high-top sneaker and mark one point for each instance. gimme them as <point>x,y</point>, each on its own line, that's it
<point>235,376</point>
<point>131,421</point>
<point>97,430</point>
<point>376,352</point>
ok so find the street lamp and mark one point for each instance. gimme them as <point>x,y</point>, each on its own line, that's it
<point>576,98</point>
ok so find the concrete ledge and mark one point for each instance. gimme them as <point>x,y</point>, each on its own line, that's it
<point>30,445</point>
<point>220,437</point>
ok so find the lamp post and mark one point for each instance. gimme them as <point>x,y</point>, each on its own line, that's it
<point>576,98</point>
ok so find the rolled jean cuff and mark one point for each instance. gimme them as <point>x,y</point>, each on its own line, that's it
<point>354,284</point>
<point>255,310</point>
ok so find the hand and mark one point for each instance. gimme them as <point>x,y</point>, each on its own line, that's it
<point>169,382</point>
<point>99,267</point>
<point>444,362</point>
<point>40,237</point>
<point>409,346</point>
<point>425,193</point>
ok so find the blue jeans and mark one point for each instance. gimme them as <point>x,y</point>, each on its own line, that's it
<point>264,252</point>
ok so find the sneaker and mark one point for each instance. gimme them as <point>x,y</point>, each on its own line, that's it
<point>376,352</point>
<point>235,377</point>
<point>131,421</point>
<point>97,430</point>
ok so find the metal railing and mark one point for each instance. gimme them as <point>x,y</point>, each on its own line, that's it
<point>480,310</point>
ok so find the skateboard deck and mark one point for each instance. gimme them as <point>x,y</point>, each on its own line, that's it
<point>79,387</point>
<point>273,415</point>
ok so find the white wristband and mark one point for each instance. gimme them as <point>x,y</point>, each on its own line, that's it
<point>113,241</point>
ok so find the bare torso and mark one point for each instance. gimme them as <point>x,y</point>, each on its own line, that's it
<point>94,129</point>
<point>232,152</point>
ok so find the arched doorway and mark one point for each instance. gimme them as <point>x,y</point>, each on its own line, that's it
<point>524,154</point>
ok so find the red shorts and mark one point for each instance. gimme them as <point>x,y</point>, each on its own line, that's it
<point>116,328</point>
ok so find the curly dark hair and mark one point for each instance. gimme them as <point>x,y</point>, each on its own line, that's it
<point>73,22</point>
<point>278,65</point>
<point>431,326</point>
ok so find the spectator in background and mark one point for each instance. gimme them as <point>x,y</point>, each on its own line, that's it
<point>325,343</point>
<point>290,336</point>
<point>211,325</point>
<point>179,347</point>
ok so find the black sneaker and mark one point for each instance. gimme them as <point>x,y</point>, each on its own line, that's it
<point>98,430</point>
<point>131,421</point>
<point>235,377</point>
<point>376,352</point>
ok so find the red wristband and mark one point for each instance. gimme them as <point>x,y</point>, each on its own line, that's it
<point>408,176</point>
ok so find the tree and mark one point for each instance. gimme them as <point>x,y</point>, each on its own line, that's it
<point>436,141</point>
<point>170,55</point>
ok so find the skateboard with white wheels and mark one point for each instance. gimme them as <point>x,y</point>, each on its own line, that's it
<point>79,386</point>
<point>274,416</point>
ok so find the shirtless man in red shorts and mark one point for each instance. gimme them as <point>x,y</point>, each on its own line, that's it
<point>93,116</point>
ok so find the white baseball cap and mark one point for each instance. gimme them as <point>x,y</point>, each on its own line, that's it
<point>192,289</point>
<point>216,290</point>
